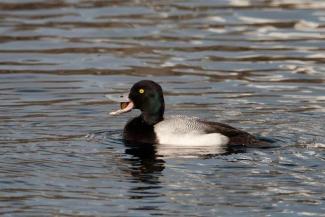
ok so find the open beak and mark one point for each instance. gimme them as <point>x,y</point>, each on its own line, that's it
<point>126,104</point>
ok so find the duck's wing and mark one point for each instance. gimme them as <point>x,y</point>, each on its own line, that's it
<point>236,137</point>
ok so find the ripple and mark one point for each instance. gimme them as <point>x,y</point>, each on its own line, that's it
<point>256,65</point>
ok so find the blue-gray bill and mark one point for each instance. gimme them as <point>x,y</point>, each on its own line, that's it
<point>125,104</point>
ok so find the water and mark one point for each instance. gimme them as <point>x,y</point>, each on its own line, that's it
<point>256,65</point>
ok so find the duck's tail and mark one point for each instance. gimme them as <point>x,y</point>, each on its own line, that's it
<point>262,142</point>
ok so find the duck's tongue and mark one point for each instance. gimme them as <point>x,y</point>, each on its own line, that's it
<point>125,104</point>
<point>125,107</point>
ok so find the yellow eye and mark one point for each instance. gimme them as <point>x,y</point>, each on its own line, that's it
<point>141,91</point>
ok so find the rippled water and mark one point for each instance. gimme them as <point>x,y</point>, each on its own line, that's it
<point>256,65</point>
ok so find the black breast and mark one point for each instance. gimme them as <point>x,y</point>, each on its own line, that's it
<point>138,131</point>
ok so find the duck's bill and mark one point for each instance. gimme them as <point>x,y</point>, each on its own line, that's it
<point>125,107</point>
<point>125,104</point>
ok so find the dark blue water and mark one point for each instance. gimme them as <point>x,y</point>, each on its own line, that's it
<point>256,65</point>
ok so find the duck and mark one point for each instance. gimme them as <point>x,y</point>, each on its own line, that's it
<point>152,127</point>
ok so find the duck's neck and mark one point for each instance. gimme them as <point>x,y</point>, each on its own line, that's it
<point>153,112</point>
<point>153,118</point>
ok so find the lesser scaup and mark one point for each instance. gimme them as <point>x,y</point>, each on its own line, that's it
<point>152,127</point>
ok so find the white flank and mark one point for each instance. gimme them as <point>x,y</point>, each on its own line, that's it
<point>211,139</point>
<point>187,131</point>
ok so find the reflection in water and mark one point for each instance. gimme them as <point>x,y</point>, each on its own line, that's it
<point>169,151</point>
<point>145,168</point>
<point>145,164</point>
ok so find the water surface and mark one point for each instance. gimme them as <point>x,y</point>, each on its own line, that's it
<point>256,65</point>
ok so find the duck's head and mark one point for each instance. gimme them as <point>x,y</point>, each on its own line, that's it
<point>147,96</point>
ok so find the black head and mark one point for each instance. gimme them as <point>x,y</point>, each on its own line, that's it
<point>148,96</point>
